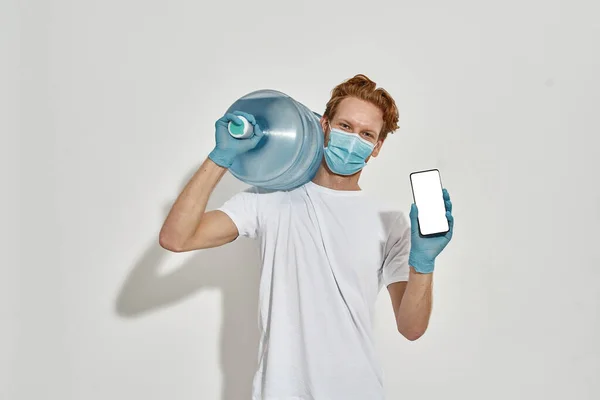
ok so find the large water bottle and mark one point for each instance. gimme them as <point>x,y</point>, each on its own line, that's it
<point>291,151</point>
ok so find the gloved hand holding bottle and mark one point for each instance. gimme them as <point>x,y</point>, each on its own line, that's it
<point>424,250</point>
<point>227,147</point>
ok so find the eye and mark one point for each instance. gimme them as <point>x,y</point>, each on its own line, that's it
<point>345,126</point>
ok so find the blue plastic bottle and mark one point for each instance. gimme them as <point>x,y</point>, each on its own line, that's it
<point>291,151</point>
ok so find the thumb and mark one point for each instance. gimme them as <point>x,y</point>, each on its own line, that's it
<point>414,214</point>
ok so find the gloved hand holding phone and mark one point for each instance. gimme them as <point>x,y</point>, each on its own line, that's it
<point>227,147</point>
<point>424,250</point>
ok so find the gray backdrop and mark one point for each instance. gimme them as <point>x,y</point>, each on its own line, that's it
<point>109,106</point>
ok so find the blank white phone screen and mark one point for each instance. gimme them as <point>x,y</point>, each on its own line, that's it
<point>428,196</point>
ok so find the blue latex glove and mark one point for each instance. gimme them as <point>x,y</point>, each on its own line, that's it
<point>227,148</point>
<point>424,250</point>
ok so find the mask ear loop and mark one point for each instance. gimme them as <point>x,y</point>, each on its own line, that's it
<point>325,143</point>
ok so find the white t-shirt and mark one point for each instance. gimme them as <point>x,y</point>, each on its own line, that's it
<point>325,256</point>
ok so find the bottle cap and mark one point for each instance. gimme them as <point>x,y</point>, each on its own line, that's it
<point>241,131</point>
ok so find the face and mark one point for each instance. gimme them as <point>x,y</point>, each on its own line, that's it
<point>358,117</point>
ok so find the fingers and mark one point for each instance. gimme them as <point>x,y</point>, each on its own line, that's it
<point>447,201</point>
<point>448,204</point>
<point>223,121</point>
<point>450,218</point>
<point>257,131</point>
<point>257,137</point>
<point>233,118</point>
<point>446,194</point>
<point>249,117</point>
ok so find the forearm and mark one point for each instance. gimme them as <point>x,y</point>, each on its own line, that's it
<point>189,207</point>
<point>415,308</point>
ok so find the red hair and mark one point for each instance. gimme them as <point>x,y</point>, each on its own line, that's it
<point>365,89</point>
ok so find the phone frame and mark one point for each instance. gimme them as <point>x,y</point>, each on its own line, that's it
<point>415,201</point>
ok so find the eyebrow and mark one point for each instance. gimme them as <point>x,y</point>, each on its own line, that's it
<point>345,121</point>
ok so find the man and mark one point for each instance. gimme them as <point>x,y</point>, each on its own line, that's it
<point>326,248</point>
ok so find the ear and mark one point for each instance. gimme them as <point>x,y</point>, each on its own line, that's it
<point>324,125</point>
<point>377,148</point>
<point>324,122</point>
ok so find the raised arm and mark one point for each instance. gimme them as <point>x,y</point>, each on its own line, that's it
<point>188,226</point>
<point>412,300</point>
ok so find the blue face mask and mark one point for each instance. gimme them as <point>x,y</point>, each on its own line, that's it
<point>346,153</point>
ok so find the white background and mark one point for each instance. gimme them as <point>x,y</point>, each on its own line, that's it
<point>109,106</point>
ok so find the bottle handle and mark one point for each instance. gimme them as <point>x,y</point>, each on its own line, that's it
<point>241,131</point>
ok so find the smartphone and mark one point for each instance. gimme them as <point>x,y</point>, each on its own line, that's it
<point>429,198</point>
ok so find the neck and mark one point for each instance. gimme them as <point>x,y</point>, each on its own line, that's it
<point>324,177</point>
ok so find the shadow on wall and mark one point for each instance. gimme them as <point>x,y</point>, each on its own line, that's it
<point>233,268</point>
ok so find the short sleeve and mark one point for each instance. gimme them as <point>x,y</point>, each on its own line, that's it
<point>243,209</point>
<point>397,249</point>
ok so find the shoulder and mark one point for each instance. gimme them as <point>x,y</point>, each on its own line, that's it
<point>263,197</point>
<point>266,193</point>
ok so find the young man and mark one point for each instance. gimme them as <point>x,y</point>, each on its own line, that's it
<point>327,249</point>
